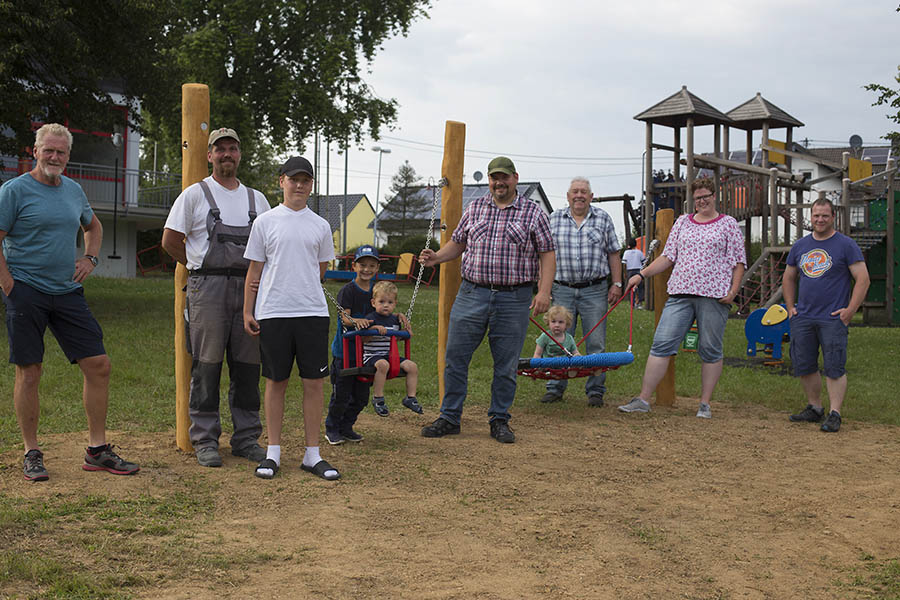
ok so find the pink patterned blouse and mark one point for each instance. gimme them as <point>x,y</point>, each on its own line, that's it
<point>705,255</point>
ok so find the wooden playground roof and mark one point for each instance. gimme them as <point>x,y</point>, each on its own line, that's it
<point>675,110</point>
<point>757,110</point>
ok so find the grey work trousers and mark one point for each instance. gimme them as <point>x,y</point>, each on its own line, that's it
<point>216,322</point>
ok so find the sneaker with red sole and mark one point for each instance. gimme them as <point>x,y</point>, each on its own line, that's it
<point>107,460</point>
<point>34,466</point>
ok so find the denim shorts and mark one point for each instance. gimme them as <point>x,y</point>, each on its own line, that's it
<point>808,335</point>
<point>29,312</point>
<point>677,317</point>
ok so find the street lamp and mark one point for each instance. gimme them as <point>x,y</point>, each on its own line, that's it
<point>380,152</point>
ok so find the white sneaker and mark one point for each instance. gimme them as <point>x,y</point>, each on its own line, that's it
<point>636,405</point>
<point>704,411</point>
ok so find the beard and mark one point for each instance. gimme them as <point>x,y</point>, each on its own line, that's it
<point>227,168</point>
<point>52,172</point>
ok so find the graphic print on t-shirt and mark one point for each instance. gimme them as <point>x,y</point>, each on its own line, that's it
<point>815,263</point>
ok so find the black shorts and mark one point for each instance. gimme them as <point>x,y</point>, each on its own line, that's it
<point>30,311</point>
<point>305,339</point>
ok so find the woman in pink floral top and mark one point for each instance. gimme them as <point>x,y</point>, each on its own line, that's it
<point>707,256</point>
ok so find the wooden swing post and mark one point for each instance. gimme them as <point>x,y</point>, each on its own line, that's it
<point>194,138</point>
<point>665,218</point>
<point>451,212</point>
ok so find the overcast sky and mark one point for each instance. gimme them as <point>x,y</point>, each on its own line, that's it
<point>556,85</point>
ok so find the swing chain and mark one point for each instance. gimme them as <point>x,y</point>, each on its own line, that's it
<point>434,195</point>
<point>340,309</point>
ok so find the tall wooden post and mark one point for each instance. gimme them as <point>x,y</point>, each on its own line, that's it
<point>889,244</point>
<point>194,167</point>
<point>451,211</point>
<point>689,176</point>
<point>665,391</point>
<point>647,231</point>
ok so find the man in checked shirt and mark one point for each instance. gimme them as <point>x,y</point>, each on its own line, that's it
<point>505,243</point>
<point>587,252</point>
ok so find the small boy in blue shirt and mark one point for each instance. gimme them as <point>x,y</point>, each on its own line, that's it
<point>349,395</point>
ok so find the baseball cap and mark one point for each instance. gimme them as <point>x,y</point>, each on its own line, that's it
<point>366,251</point>
<point>501,164</point>
<point>217,134</point>
<point>294,165</point>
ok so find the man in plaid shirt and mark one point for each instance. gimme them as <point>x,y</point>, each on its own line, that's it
<point>587,252</point>
<point>505,243</point>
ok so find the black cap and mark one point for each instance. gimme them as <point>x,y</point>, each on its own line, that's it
<point>294,165</point>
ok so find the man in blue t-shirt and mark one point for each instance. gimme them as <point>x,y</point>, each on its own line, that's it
<point>40,277</point>
<point>821,265</point>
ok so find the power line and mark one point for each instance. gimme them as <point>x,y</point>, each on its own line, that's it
<point>535,156</point>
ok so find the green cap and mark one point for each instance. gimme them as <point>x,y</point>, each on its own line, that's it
<point>501,164</point>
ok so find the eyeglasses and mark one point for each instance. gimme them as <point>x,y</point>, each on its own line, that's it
<point>703,197</point>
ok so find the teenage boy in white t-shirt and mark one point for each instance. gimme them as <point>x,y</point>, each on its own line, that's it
<point>289,250</point>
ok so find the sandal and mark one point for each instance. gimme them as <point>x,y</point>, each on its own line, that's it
<point>320,469</point>
<point>267,464</point>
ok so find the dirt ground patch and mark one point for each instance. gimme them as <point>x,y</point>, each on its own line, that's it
<point>586,504</point>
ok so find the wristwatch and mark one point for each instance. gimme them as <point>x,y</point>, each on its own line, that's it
<point>94,260</point>
<point>618,284</point>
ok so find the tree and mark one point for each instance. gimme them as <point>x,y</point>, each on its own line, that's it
<point>890,97</point>
<point>280,70</point>
<point>61,60</point>
<point>406,202</point>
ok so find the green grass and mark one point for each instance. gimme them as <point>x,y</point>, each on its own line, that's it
<point>136,316</point>
<point>45,543</point>
<point>100,547</point>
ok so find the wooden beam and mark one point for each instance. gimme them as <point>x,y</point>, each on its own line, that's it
<point>888,172</point>
<point>809,157</point>
<point>664,147</point>
<point>823,178</point>
<point>665,391</point>
<point>745,167</point>
<point>194,167</point>
<point>689,189</point>
<point>451,212</point>
<point>889,242</point>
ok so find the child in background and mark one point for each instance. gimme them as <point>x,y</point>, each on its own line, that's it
<point>558,319</point>
<point>376,349</point>
<point>349,395</point>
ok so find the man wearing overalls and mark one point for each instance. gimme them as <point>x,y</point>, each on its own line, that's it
<point>207,231</point>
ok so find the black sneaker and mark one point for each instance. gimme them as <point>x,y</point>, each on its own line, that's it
<point>440,428</point>
<point>808,415</point>
<point>107,460</point>
<point>550,397</point>
<point>833,423</point>
<point>412,404</point>
<point>34,466</point>
<point>334,438</point>
<point>501,432</point>
<point>254,452</point>
<point>351,436</point>
<point>596,400</point>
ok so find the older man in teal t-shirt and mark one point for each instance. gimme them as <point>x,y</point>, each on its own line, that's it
<point>40,277</point>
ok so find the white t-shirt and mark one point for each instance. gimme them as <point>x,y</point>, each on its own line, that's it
<point>189,211</point>
<point>633,259</point>
<point>291,243</point>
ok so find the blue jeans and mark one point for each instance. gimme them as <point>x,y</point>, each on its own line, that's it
<point>590,303</point>
<point>504,317</point>
<point>677,317</point>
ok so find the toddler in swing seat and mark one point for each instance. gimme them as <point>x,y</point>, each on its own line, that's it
<point>559,320</point>
<point>376,349</point>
